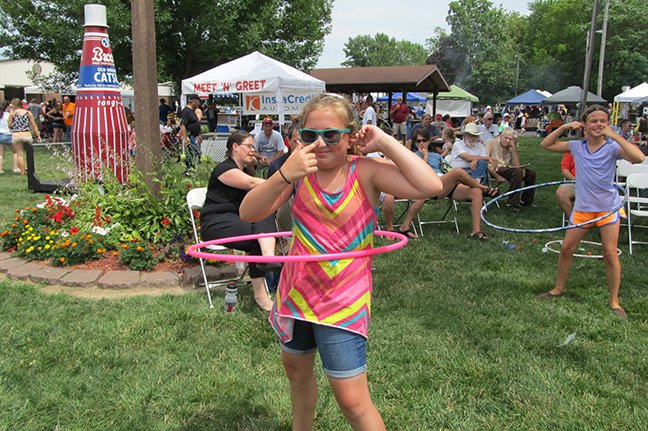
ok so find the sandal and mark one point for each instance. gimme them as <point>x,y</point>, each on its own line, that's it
<point>620,312</point>
<point>549,295</point>
<point>491,192</point>
<point>478,235</point>
<point>408,233</point>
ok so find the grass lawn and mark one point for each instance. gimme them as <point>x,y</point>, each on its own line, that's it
<point>457,341</point>
<point>15,193</point>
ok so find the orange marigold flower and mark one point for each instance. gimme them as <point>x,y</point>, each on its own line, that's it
<point>152,248</point>
<point>90,241</point>
<point>133,240</point>
<point>62,259</point>
<point>140,249</point>
<point>98,250</point>
<point>124,246</point>
<point>14,225</point>
<point>82,236</point>
<point>74,244</point>
<point>35,209</point>
<point>17,211</point>
<point>115,253</point>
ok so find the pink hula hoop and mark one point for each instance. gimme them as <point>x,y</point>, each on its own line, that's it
<point>294,258</point>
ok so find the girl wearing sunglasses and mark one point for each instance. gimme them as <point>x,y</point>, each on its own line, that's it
<point>324,306</point>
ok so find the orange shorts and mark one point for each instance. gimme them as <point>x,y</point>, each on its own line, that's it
<point>579,217</point>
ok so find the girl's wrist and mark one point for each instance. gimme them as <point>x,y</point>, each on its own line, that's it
<point>384,145</point>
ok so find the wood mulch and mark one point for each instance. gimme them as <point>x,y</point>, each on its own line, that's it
<point>111,263</point>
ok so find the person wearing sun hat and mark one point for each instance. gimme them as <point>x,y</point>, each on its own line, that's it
<point>470,155</point>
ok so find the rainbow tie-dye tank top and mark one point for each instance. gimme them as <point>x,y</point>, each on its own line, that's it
<point>333,292</point>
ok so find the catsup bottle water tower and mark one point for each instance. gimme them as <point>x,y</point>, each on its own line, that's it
<point>99,128</point>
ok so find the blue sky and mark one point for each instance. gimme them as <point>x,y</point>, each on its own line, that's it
<point>395,18</point>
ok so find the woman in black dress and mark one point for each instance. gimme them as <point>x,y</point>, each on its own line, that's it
<point>229,183</point>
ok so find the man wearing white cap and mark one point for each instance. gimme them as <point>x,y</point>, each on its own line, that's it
<point>506,122</point>
<point>470,155</point>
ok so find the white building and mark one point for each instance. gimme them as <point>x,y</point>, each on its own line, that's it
<point>14,76</point>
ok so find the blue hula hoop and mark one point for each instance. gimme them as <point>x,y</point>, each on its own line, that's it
<point>554,229</point>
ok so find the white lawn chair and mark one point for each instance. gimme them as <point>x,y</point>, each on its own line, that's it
<point>637,206</point>
<point>195,201</point>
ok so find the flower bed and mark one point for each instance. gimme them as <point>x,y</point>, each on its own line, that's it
<point>108,218</point>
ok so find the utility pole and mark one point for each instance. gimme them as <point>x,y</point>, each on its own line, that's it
<point>517,75</point>
<point>588,61</point>
<point>602,59</point>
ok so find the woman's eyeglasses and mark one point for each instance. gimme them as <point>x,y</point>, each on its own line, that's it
<point>329,136</point>
<point>422,140</point>
<point>250,146</point>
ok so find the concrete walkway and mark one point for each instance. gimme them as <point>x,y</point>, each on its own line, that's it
<point>17,268</point>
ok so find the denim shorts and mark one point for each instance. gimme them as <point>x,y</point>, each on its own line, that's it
<point>343,353</point>
<point>5,139</point>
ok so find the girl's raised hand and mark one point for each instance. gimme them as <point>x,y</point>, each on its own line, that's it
<point>611,134</point>
<point>369,139</point>
<point>301,162</point>
<point>574,125</point>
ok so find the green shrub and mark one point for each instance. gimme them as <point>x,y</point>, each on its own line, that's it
<point>156,219</point>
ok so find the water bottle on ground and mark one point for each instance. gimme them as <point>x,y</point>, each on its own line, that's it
<point>230,298</point>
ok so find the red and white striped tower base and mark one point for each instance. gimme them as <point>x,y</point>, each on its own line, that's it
<point>99,129</point>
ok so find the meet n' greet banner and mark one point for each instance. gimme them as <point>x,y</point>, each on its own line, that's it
<point>266,103</point>
<point>99,128</point>
<point>243,85</point>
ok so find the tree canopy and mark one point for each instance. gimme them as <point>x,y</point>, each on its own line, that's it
<point>381,50</point>
<point>478,53</point>
<point>191,36</point>
<point>481,51</point>
<point>555,40</point>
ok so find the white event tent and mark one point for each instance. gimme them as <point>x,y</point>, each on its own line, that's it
<point>268,86</point>
<point>457,103</point>
<point>635,93</point>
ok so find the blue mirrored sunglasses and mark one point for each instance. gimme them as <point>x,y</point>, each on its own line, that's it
<point>329,136</point>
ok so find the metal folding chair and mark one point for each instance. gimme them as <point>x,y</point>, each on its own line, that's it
<point>452,206</point>
<point>397,220</point>
<point>195,201</point>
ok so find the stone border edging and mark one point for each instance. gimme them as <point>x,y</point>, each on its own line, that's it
<point>20,269</point>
